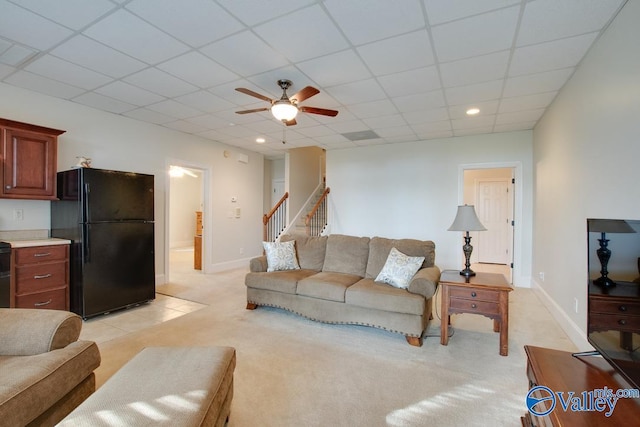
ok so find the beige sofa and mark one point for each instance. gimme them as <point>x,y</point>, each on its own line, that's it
<point>336,283</point>
<point>45,372</point>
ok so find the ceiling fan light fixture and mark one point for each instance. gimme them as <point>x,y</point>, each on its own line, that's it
<point>284,110</point>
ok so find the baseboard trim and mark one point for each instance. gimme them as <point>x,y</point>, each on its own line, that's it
<point>228,265</point>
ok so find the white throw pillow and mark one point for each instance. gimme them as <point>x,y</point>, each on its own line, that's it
<point>399,269</point>
<point>281,255</point>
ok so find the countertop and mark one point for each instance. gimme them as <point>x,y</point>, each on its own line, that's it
<point>37,242</point>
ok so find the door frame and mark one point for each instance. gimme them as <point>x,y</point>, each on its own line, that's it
<point>516,256</point>
<point>206,215</point>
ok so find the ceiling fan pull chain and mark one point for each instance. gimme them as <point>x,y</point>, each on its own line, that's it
<point>284,132</point>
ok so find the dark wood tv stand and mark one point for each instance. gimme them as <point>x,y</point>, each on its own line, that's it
<point>560,371</point>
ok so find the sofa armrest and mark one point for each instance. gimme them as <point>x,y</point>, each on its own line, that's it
<point>258,265</point>
<point>26,332</point>
<point>425,282</point>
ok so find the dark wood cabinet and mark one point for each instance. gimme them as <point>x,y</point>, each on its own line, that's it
<point>29,160</point>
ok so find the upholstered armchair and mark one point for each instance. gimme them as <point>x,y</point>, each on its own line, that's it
<point>45,372</point>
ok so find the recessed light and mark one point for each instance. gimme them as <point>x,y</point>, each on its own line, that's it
<point>260,140</point>
<point>473,111</point>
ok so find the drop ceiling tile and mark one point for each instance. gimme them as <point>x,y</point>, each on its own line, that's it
<point>245,54</point>
<point>473,122</point>
<point>357,92</point>
<point>208,121</point>
<point>66,72</point>
<point>391,120</point>
<point>365,110</point>
<point>157,81</point>
<point>253,12</point>
<point>5,70</point>
<point>464,95</point>
<point>472,131</point>
<point>129,34</point>
<point>486,108</point>
<point>439,11</point>
<point>377,19</point>
<point>44,85</point>
<point>537,83</point>
<point>196,68</point>
<point>204,101</point>
<point>426,116</point>
<point>428,128</point>
<point>194,22</point>
<point>90,54</point>
<point>321,35</point>
<point>102,102</point>
<point>475,70</point>
<point>74,14</point>
<point>511,127</point>
<point>185,126</point>
<point>149,116</point>
<point>478,35</point>
<point>315,131</point>
<point>419,102</point>
<point>128,93</point>
<point>401,53</point>
<point>526,102</point>
<point>334,69</point>
<point>411,82</point>
<point>550,55</point>
<point>545,20</point>
<point>266,126</point>
<point>28,28</point>
<point>346,127</point>
<point>519,116</point>
<point>174,109</point>
<point>16,55</point>
<point>395,131</point>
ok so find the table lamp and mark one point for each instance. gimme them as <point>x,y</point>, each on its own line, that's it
<point>604,226</point>
<point>467,220</point>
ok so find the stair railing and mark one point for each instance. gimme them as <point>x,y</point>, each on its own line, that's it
<point>317,218</point>
<point>274,222</point>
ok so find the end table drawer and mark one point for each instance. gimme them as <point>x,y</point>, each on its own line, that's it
<point>471,306</point>
<point>613,322</point>
<point>478,294</point>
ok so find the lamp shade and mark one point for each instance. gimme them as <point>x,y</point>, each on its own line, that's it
<point>466,220</point>
<point>284,110</point>
<point>610,226</point>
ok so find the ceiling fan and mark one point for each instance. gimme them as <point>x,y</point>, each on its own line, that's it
<point>286,108</point>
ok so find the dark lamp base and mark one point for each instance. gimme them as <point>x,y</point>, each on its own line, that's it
<point>603,282</point>
<point>467,272</point>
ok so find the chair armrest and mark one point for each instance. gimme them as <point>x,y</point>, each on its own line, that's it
<point>258,265</point>
<point>26,332</point>
<point>425,282</point>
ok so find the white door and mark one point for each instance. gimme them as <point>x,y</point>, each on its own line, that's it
<point>493,211</point>
<point>277,191</point>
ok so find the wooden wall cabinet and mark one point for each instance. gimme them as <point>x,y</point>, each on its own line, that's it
<point>29,160</point>
<point>40,277</point>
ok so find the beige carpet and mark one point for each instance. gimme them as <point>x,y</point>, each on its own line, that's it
<point>295,372</point>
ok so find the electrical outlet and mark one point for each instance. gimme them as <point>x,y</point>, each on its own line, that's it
<point>541,275</point>
<point>575,305</point>
<point>18,214</point>
<point>241,251</point>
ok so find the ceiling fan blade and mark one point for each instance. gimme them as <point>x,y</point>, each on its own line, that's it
<point>304,93</point>
<point>321,111</point>
<point>291,122</point>
<point>254,94</point>
<point>255,110</point>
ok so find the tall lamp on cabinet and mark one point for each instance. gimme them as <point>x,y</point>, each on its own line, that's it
<point>466,220</point>
<point>605,226</point>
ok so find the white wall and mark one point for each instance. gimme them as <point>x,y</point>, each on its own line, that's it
<point>116,142</point>
<point>303,173</point>
<point>586,152</point>
<point>186,199</point>
<point>412,190</point>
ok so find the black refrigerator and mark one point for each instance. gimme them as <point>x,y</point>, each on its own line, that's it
<point>108,216</point>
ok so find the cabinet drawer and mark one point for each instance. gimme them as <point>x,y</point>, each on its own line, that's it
<point>38,277</point>
<point>55,299</point>
<point>471,306</point>
<point>612,322</point>
<point>614,307</point>
<point>478,294</point>
<point>41,254</point>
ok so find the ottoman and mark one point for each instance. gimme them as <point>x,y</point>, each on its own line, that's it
<point>173,386</point>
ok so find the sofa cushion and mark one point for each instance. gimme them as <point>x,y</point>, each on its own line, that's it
<point>310,250</point>
<point>281,256</point>
<point>347,254</point>
<point>379,249</point>
<point>399,269</point>
<point>279,281</point>
<point>32,384</point>
<point>369,294</point>
<point>326,285</point>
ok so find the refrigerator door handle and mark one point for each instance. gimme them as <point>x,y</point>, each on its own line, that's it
<point>86,246</point>
<point>87,190</point>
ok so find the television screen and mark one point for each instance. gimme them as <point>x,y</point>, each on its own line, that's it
<point>614,293</point>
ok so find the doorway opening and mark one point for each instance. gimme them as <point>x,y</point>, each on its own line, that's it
<point>492,191</point>
<point>185,252</point>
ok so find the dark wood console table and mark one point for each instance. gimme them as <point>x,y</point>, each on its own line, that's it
<point>562,372</point>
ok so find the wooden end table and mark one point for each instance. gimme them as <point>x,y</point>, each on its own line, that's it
<point>485,293</point>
